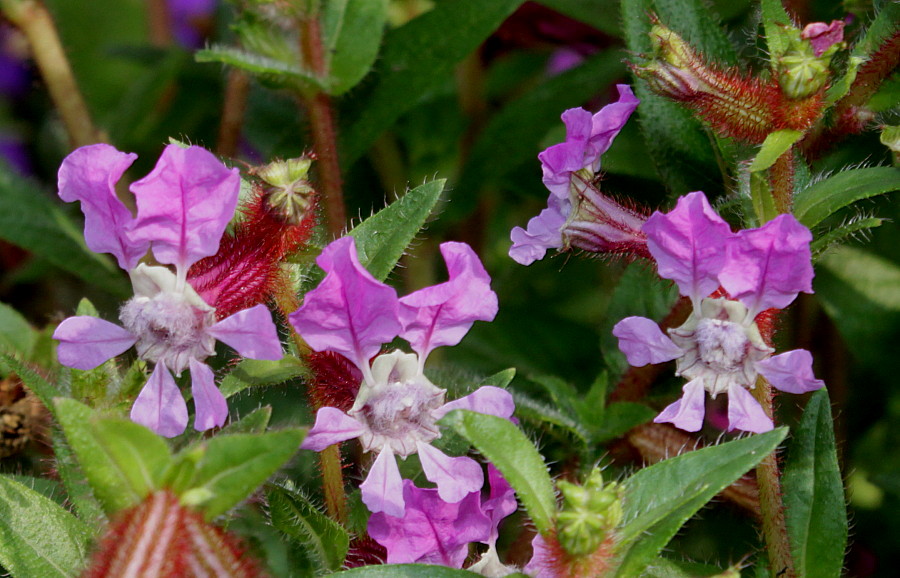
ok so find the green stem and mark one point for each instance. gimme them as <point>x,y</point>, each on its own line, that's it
<point>35,22</point>
<point>321,121</point>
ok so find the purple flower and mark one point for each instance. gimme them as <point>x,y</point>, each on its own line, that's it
<point>719,348</point>
<point>433,531</point>
<point>184,205</point>
<point>577,214</point>
<point>397,407</point>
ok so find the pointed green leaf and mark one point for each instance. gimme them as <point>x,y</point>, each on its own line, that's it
<point>510,450</point>
<point>661,498</point>
<point>274,70</point>
<point>259,372</point>
<point>775,19</point>
<point>382,238</point>
<point>762,199</point>
<point>254,422</point>
<point>38,537</point>
<point>293,514</point>
<point>844,233</point>
<point>816,511</point>
<point>775,145</point>
<point>231,467</point>
<point>78,489</point>
<point>501,378</point>
<point>819,201</point>
<point>417,58</point>
<point>140,455</point>
<point>354,29</point>
<point>110,479</point>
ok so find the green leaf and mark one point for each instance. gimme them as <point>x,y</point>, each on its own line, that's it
<point>500,379</point>
<point>699,26</point>
<point>354,29</point>
<point>108,479</point>
<point>406,571</point>
<point>513,135</point>
<point>141,455</point>
<point>821,200</point>
<point>661,498</point>
<point>382,238</point>
<point>254,422</point>
<point>259,372</point>
<point>843,233</point>
<point>29,219</point>
<point>231,467</point>
<point>504,445</point>
<point>816,512</point>
<point>78,489</point>
<point>324,539</point>
<point>761,198</point>
<point>775,19</point>
<point>38,537</point>
<point>274,70</point>
<point>617,419</point>
<point>775,145</point>
<point>16,334</point>
<point>594,13</point>
<point>43,389</point>
<point>415,59</point>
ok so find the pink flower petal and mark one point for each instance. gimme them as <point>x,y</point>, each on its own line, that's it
<point>608,122</point>
<point>184,205</point>
<point>442,314</point>
<point>791,371</point>
<point>687,244</point>
<point>86,342</point>
<point>382,491</point>
<point>332,426</point>
<point>686,413</point>
<point>823,36</point>
<point>501,503</point>
<point>559,161</point>
<point>160,406</point>
<point>543,232</point>
<point>745,413</point>
<point>431,531</point>
<point>643,342</point>
<point>454,477</point>
<point>89,174</point>
<point>250,332</point>
<point>350,312</point>
<point>211,409</point>
<point>767,267</point>
<point>543,561</point>
<point>487,399</point>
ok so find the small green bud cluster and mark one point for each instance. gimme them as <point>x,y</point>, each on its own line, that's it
<point>589,512</point>
<point>800,71</point>
<point>287,190</point>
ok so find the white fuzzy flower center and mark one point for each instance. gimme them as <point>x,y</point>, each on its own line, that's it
<point>722,344</point>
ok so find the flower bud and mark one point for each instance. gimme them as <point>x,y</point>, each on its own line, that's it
<point>802,69</point>
<point>287,190</point>
<point>588,514</point>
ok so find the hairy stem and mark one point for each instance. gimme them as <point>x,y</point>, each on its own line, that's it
<point>781,179</point>
<point>237,87</point>
<point>321,121</point>
<point>36,23</point>
<point>160,23</point>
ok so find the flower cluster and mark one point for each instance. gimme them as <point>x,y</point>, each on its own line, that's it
<point>577,214</point>
<point>397,407</point>
<point>719,349</point>
<point>183,208</point>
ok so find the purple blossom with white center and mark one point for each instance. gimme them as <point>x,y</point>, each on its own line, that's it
<point>719,348</point>
<point>433,531</point>
<point>577,214</point>
<point>184,205</point>
<point>397,407</point>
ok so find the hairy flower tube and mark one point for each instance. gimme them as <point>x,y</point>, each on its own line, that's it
<point>577,213</point>
<point>397,407</point>
<point>432,531</point>
<point>719,349</point>
<point>183,208</point>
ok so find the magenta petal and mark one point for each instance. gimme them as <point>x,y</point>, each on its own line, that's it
<point>823,36</point>
<point>86,342</point>
<point>454,477</point>
<point>210,406</point>
<point>543,232</point>
<point>431,531</point>
<point>501,503</point>
<point>543,561</point>
<point>382,491</point>
<point>767,267</point>
<point>442,314</point>
<point>332,426</point>
<point>350,312</point>
<point>184,205</point>
<point>745,413</point>
<point>608,122</point>
<point>559,161</point>
<point>160,406</point>
<point>488,399</point>
<point>686,413</point>
<point>687,245</point>
<point>790,371</point>
<point>251,333</point>
<point>89,174</point>
<point>643,342</point>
